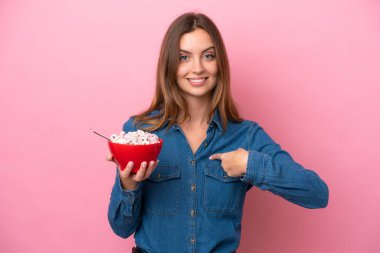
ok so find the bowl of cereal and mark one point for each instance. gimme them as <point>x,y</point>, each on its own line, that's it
<point>138,146</point>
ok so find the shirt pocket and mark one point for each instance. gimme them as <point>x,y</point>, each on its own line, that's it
<point>161,191</point>
<point>223,194</point>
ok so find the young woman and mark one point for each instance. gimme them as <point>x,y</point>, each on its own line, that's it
<point>192,201</point>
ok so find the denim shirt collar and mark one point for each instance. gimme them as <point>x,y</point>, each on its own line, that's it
<point>215,120</point>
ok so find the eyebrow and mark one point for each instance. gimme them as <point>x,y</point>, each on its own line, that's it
<point>212,47</point>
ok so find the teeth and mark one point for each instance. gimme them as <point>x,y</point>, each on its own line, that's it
<point>197,80</point>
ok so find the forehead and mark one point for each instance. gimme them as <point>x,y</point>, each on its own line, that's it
<point>197,40</point>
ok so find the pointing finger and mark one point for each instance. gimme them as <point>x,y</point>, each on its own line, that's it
<point>216,156</point>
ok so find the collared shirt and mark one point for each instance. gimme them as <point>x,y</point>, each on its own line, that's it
<point>189,204</point>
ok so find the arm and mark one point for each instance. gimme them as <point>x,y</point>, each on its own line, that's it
<point>125,205</point>
<point>273,169</point>
<point>124,209</point>
<point>268,167</point>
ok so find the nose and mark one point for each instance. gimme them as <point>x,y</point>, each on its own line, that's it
<point>198,67</point>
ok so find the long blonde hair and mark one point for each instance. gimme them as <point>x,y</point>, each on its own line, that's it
<point>168,100</point>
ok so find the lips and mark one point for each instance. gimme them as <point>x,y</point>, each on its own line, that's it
<point>197,81</point>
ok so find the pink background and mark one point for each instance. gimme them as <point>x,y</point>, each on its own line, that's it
<point>307,71</point>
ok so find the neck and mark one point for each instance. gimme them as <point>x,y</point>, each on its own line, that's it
<point>199,109</point>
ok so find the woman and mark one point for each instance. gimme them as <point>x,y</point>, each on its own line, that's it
<point>193,200</point>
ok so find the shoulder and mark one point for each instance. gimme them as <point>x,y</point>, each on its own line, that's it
<point>248,124</point>
<point>131,124</point>
<point>248,128</point>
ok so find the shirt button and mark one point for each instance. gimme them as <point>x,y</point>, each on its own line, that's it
<point>158,176</point>
<point>192,241</point>
<point>193,188</point>
<point>192,212</point>
<point>193,162</point>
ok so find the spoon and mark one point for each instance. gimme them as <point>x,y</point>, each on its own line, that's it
<point>92,130</point>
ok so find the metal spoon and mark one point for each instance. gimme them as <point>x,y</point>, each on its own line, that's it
<point>92,130</point>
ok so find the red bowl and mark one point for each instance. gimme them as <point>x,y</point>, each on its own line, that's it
<point>123,153</point>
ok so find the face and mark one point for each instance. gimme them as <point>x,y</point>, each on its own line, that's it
<point>197,70</point>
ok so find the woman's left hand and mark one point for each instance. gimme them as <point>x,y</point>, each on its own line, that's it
<point>234,163</point>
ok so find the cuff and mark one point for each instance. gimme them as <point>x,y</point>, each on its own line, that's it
<point>128,194</point>
<point>128,197</point>
<point>256,168</point>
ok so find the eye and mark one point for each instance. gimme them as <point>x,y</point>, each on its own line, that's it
<point>209,56</point>
<point>184,58</point>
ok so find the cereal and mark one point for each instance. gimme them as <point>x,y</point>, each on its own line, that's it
<point>138,137</point>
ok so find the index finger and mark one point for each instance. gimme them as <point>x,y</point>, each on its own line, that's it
<point>218,156</point>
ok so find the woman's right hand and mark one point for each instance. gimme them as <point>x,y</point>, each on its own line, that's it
<point>130,180</point>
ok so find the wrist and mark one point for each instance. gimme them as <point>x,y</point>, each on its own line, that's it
<point>245,163</point>
<point>128,186</point>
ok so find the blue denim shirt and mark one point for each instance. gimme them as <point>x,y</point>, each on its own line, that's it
<point>189,204</point>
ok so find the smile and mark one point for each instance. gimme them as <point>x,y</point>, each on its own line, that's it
<point>197,81</point>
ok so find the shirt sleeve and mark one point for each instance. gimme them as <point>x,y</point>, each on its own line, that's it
<point>273,169</point>
<point>124,210</point>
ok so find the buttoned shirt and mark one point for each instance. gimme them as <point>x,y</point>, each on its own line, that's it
<point>189,203</point>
